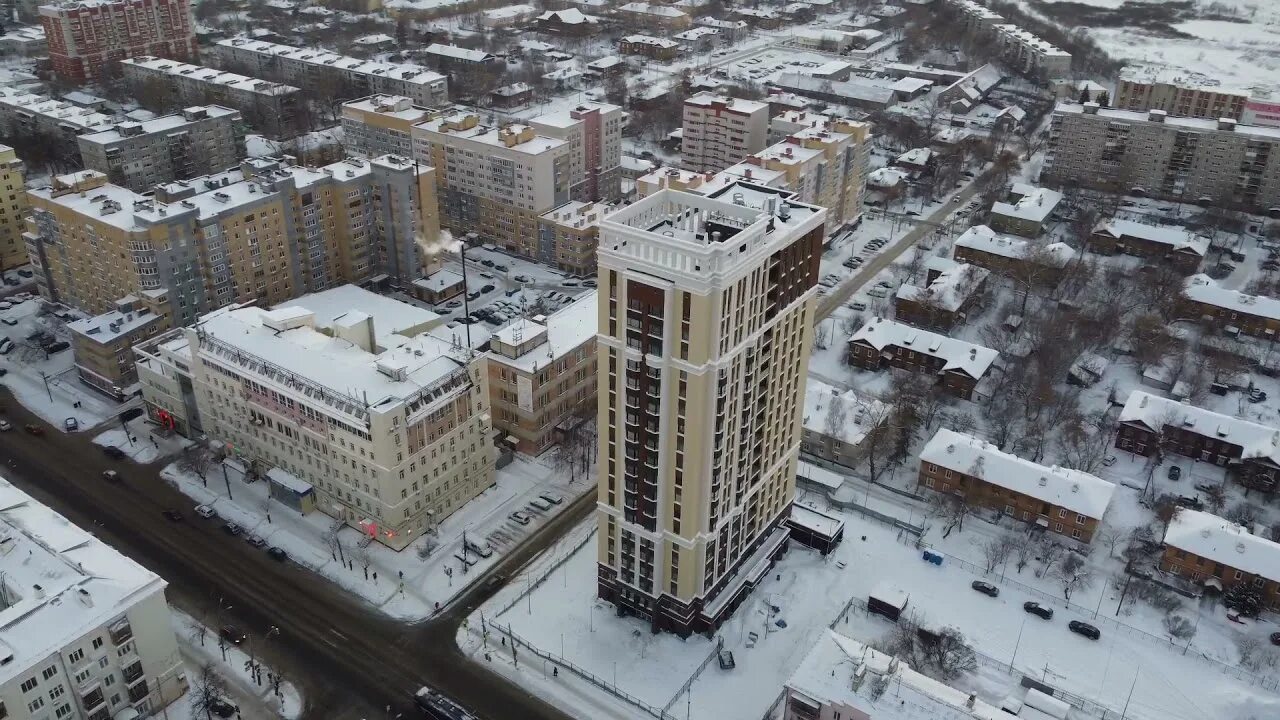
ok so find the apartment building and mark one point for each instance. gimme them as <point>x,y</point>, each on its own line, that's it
<point>1250,451</point>
<point>1152,154</point>
<point>1234,311</point>
<point>1219,554</point>
<point>836,421</point>
<point>706,315</point>
<point>720,131</point>
<point>493,180</point>
<point>27,42</point>
<point>23,112</point>
<point>568,235</point>
<point>1152,87</point>
<point>381,125</point>
<point>649,46</point>
<point>1175,245</point>
<point>270,108</point>
<point>956,365</point>
<point>1026,210</point>
<point>1009,255</point>
<point>655,16</point>
<point>347,77</point>
<point>594,133</point>
<point>976,18</point>
<point>1031,54</point>
<point>1059,500</point>
<point>103,345</point>
<point>265,231</point>
<point>88,38</point>
<point>200,140</point>
<point>87,632</point>
<point>346,396</point>
<point>457,59</point>
<point>13,209</point>
<point>542,373</point>
<point>731,31</point>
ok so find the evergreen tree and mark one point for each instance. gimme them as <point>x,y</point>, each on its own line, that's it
<point>1103,99</point>
<point>1084,95</point>
<point>1244,598</point>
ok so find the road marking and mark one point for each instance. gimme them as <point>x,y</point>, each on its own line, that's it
<point>335,632</point>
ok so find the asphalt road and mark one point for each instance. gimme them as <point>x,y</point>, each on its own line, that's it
<point>347,659</point>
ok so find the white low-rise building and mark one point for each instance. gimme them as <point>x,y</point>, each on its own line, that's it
<point>85,632</point>
<point>1027,210</point>
<point>364,399</point>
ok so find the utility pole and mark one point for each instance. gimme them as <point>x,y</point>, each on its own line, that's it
<point>1131,687</point>
<point>226,479</point>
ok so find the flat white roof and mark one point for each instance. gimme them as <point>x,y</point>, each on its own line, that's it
<point>459,53</point>
<point>492,135</point>
<point>407,72</point>
<point>1204,125</point>
<point>210,75</point>
<point>1077,491</point>
<point>1221,540</point>
<point>61,582</point>
<point>562,331</point>
<point>162,124</point>
<point>391,317</point>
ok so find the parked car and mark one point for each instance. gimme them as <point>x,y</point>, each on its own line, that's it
<point>857,305</point>
<point>485,289</point>
<point>1038,610</point>
<point>232,529</point>
<point>34,429</point>
<point>57,346</point>
<point>256,541</point>
<point>173,516</point>
<point>1206,487</point>
<point>985,588</point>
<point>113,452</point>
<point>1192,503</point>
<point>1085,629</point>
<point>520,517</point>
<point>1257,396</point>
<point>6,346</point>
<point>222,708</point>
<point>5,426</point>
<point>551,498</point>
<point>1108,461</point>
<point>1175,472</point>
<point>71,424</point>
<point>232,634</point>
<point>9,321</point>
<point>111,476</point>
<point>1275,638</point>
<point>278,554</point>
<point>205,512</point>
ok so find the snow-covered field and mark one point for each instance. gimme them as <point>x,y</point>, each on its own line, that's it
<point>410,584</point>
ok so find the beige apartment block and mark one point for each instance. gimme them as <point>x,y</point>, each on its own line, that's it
<point>568,235</point>
<point>269,107</point>
<point>263,232</point>
<point>13,209</point>
<point>719,131</point>
<point>542,373</point>
<point>103,345</point>
<point>341,75</point>
<point>381,125</point>
<point>494,180</point>
<point>706,312</point>
<point>198,141</point>
<point>594,133</point>
<point>1145,87</point>
<point>342,398</point>
<point>1182,159</point>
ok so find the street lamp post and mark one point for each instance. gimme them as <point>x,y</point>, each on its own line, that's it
<point>1018,643</point>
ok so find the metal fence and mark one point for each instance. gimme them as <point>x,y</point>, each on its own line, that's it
<point>1112,624</point>
<point>535,584</point>
<point>693,677</point>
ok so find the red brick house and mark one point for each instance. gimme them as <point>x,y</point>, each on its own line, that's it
<point>1219,554</point>
<point>1005,255</point>
<point>944,301</point>
<point>1178,247</point>
<point>959,366</point>
<point>1256,315</point>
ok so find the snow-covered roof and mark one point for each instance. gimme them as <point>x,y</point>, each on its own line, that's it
<point>163,124</point>
<point>696,33</point>
<point>391,317</point>
<point>1175,237</point>
<point>816,520</point>
<point>454,126</point>
<point>736,105</point>
<point>1270,134</point>
<point>859,90</point>
<point>949,290</point>
<point>439,281</point>
<point>65,114</point>
<point>1077,491</point>
<point>1220,540</point>
<point>860,416</point>
<point>1204,289</point>
<point>650,40</point>
<point>553,337</point>
<point>210,75</point>
<point>838,671</point>
<point>915,156</point>
<point>374,39</point>
<point>604,63</point>
<point>971,359</point>
<point>1034,205</point>
<point>509,12</point>
<point>722,24</point>
<point>983,238</point>
<point>571,16</point>
<point>61,583</point>
<point>886,177</point>
<point>458,53</point>
<point>116,323</point>
<point>405,72</point>
<point>652,9</point>
<point>1153,411</point>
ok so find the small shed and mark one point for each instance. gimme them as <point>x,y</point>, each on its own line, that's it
<point>888,600</point>
<point>290,491</point>
<point>814,528</point>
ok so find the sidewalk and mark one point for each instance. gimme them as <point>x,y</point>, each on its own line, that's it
<point>254,701</point>
<point>410,584</point>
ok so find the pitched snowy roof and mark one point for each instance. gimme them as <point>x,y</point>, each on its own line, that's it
<point>1257,441</point>
<point>915,156</point>
<point>860,412</point>
<point>651,9</point>
<point>950,289</point>
<point>1035,203</point>
<point>1221,540</point>
<point>1175,237</point>
<point>650,40</point>
<point>981,237</point>
<point>572,16</point>
<point>1077,491</point>
<point>838,671</point>
<point>458,53</point>
<point>886,177</point>
<point>971,359</point>
<point>1204,289</point>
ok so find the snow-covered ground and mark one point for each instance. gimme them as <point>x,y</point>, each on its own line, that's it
<point>410,584</point>
<point>200,646</point>
<point>139,443</point>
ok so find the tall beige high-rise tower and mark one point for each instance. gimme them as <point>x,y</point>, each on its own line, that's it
<point>706,310</point>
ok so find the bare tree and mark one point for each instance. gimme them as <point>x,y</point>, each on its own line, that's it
<point>1049,551</point>
<point>196,459</point>
<point>209,690</point>
<point>1074,574</point>
<point>837,415</point>
<point>1111,536</point>
<point>996,550</point>
<point>951,510</point>
<point>1179,628</point>
<point>1023,550</point>
<point>950,655</point>
<point>196,631</point>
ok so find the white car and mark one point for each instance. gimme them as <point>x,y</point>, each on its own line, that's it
<point>5,426</point>
<point>205,511</point>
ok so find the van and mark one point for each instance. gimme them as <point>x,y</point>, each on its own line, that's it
<point>551,498</point>
<point>480,548</point>
<point>540,504</point>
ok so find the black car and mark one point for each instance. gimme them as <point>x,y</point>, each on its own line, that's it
<point>222,708</point>
<point>486,288</point>
<point>232,529</point>
<point>278,554</point>
<point>1085,629</point>
<point>1175,472</point>
<point>113,452</point>
<point>232,634</point>
<point>173,515</point>
<point>1038,610</point>
<point>985,588</point>
<point>1192,503</point>
<point>1275,638</point>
